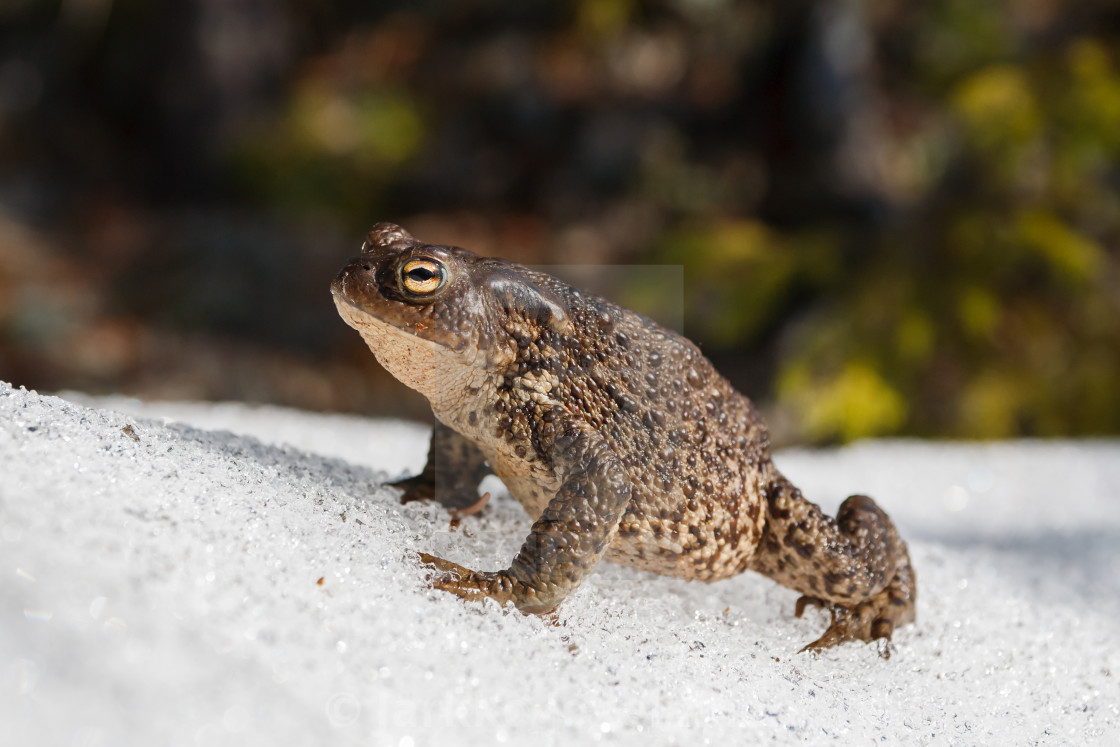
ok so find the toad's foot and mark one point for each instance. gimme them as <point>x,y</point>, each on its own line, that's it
<point>418,488</point>
<point>455,467</point>
<point>566,542</point>
<point>869,620</point>
<point>475,586</point>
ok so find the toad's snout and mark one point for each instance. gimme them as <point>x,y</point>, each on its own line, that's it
<point>354,279</point>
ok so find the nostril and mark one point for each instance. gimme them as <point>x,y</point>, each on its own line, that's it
<point>367,268</point>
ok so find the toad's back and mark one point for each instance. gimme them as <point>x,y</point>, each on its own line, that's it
<point>694,449</point>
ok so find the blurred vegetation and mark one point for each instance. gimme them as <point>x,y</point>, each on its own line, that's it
<point>893,217</point>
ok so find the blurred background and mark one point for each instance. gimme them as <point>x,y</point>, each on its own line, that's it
<point>894,218</point>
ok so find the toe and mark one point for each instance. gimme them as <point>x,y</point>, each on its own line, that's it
<point>474,508</point>
<point>808,601</point>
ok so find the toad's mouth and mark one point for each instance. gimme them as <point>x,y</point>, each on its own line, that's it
<point>361,317</point>
<point>355,314</point>
<point>381,319</point>
<point>351,313</point>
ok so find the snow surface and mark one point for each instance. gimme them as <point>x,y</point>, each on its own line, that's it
<point>179,584</point>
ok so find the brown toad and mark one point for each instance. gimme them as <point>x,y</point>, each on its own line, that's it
<point>618,434</point>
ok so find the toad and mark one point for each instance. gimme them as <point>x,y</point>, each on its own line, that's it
<point>615,434</point>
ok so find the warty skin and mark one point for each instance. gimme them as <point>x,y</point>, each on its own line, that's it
<point>616,434</point>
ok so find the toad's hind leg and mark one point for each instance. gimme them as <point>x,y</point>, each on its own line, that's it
<point>855,565</point>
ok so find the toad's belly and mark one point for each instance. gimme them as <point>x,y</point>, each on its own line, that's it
<point>667,534</point>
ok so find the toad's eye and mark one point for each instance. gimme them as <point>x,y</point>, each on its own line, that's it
<point>422,276</point>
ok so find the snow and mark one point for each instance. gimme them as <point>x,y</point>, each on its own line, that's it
<point>247,579</point>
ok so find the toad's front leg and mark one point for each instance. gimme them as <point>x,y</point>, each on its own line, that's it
<point>565,543</point>
<point>451,475</point>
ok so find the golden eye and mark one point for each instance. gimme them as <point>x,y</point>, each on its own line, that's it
<point>422,276</point>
